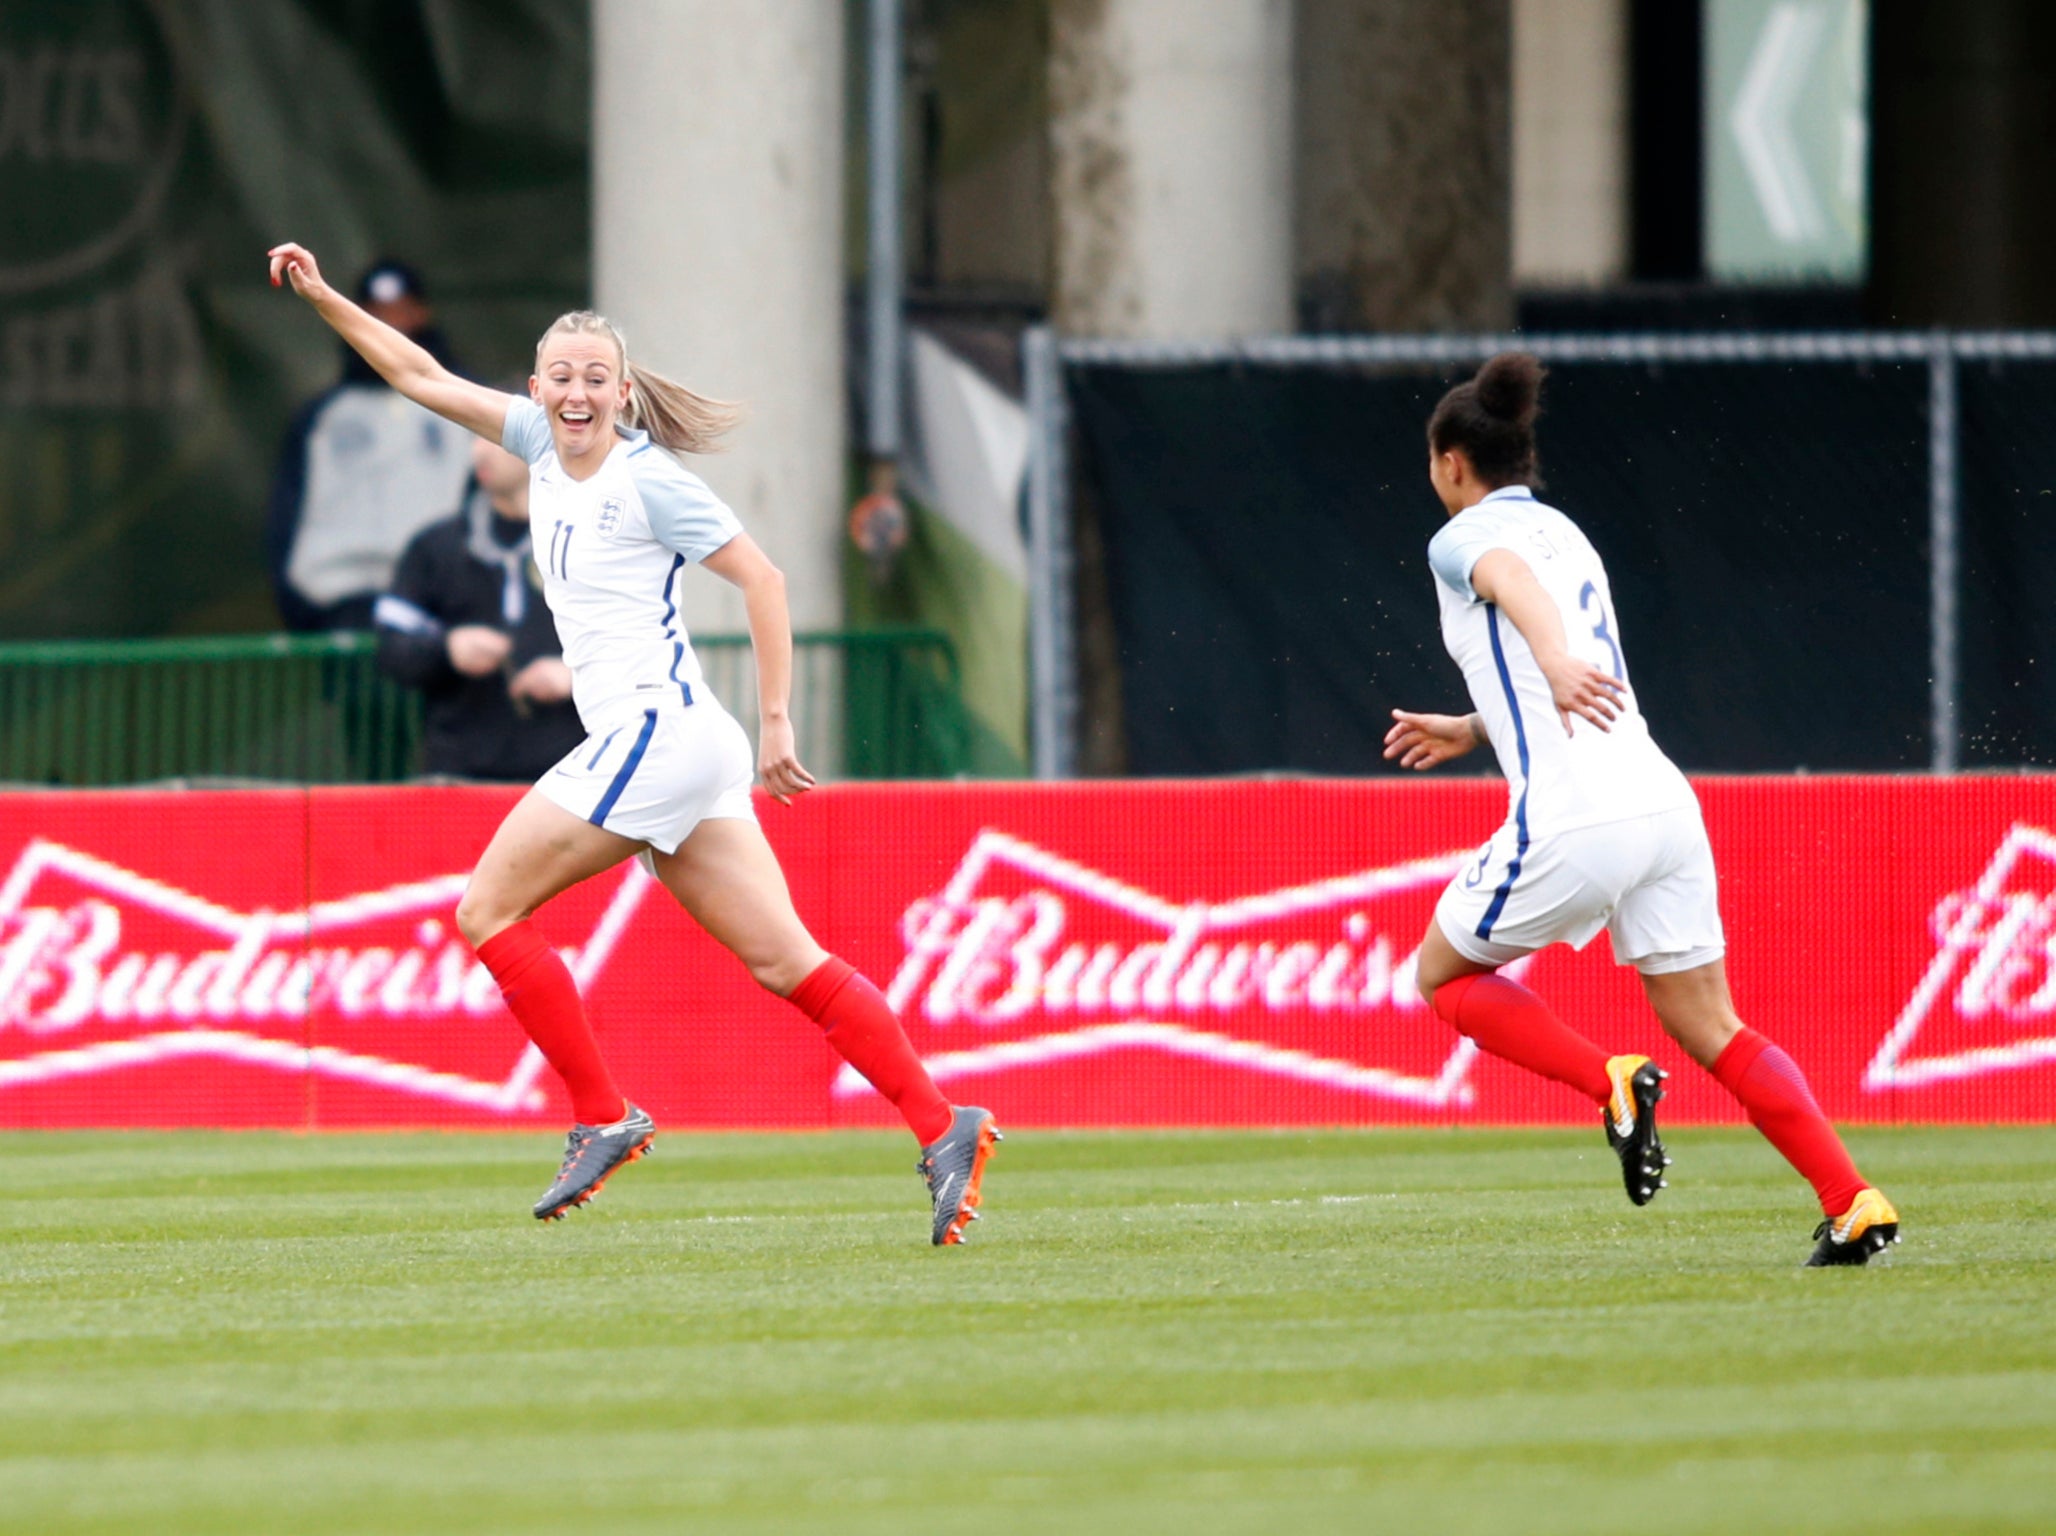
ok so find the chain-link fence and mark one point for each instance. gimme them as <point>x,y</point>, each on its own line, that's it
<point>1829,552</point>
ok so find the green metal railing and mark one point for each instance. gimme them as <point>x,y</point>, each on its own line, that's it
<point>315,709</point>
<point>871,704</point>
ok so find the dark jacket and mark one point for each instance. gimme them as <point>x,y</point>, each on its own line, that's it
<point>453,573</point>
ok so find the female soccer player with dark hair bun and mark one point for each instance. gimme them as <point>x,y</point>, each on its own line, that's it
<point>664,772</point>
<point>1603,831</point>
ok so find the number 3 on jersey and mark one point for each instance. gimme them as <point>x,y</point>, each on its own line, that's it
<point>560,551</point>
<point>1590,602</point>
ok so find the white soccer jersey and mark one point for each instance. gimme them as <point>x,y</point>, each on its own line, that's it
<point>612,549</point>
<point>1555,782</point>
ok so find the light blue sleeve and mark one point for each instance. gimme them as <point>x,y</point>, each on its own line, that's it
<point>527,432</point>
<point>684,515</point>
<point>1457,548</point>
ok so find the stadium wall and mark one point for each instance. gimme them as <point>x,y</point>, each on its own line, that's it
<point>1219,953</point>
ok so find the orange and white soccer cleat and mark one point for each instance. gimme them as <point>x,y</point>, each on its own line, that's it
<point>1869,1226</point>
<point>1630,1119</point>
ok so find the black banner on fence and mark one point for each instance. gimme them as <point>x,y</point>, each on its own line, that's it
<point>1765,527</point>
<point>2006,608</point>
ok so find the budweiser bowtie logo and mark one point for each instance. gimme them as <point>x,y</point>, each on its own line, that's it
<point>1026,958</point>
<point>102,968</point>
<point>1988,1000</point>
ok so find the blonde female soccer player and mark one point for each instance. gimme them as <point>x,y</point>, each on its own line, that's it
<point>665,771</point>
<point>1602,830</point>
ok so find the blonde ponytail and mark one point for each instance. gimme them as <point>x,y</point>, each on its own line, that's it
<point>675,417</point>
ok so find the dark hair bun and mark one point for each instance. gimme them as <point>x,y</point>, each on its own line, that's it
<point>1510,387</point>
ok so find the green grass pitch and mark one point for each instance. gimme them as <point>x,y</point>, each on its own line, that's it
<point>1262,1332</point>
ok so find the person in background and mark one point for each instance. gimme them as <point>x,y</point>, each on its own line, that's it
<point>465,623</point>
<point>361,470</point>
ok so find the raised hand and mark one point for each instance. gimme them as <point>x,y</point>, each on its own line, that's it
<point>296,263</point>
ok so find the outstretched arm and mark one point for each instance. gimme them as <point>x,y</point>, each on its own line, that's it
<point>741,563</point>
<point>1503,578</point>
<point>409,368</point>
<point>1428,741</point>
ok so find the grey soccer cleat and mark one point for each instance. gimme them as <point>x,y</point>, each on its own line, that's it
<point>954,1164</point>
<point>591,1154</point>
<point>1631,1124</point>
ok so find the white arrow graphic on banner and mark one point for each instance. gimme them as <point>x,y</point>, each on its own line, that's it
<point>1986,945</point>
<point>1761,120</point>
<point>1129,1029</point>
<point>188,1037</point>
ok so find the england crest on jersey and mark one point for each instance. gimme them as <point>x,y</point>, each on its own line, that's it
<point>611,512</point>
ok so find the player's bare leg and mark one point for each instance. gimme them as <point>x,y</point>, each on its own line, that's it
<point>729,881</point>
<point>726,876</point>
<point>540,850</point>
<point>1698,1012</point>
<point>1506,1020</point>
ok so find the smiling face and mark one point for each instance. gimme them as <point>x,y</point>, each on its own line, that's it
<point>581,386</point>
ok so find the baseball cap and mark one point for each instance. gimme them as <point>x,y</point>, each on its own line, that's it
<point>388,281</point>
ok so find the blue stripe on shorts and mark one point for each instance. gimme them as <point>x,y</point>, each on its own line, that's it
<point>634,760</point>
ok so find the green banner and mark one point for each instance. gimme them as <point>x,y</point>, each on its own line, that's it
<point>1787,139</point>
<point>150,150</point>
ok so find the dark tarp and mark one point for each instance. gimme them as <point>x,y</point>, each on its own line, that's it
<point>1765,527</point>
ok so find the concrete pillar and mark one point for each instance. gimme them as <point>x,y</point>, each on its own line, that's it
<point>1405,198</point>
<point>718,248</point>
<point>989,166</point>
<point>1171,167</point>
<point>1963,155</point>
<point>1570,142</point>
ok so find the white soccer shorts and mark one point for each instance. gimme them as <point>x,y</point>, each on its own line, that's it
<point>1649,881</point>
<point>657,774</point>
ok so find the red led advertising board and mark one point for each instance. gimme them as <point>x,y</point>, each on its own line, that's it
<point>1215,953</point>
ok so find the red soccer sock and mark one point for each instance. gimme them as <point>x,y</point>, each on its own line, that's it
<point>544,1000</point>
<point>1773,1090</point>
<point>1512,1023</point>
<point>860,1024</point>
